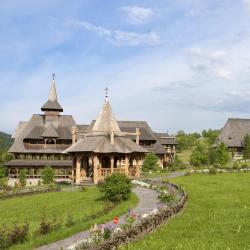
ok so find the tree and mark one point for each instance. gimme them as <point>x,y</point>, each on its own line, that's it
<point>199,156</point>
<point>150,162</point>
<point>186,141</point>
<point>222,156</point>
<point>246,146</point>
<point>116,187</point>
<point>3,172</point>
<point>23,177</point>
<point>210,135</point>
<point>218,155</point>
<point>47,175</point>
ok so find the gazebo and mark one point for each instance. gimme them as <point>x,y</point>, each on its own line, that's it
<point>105,150</point>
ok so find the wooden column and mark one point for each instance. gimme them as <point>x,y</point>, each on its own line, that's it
<point>138,167</point>
<point>112,161</point>
<point>95,169</point>
<point>74,130</point>
<point>126,165</point>
<point>78,170</point>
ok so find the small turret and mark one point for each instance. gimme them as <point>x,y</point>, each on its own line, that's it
<point>52,105</point>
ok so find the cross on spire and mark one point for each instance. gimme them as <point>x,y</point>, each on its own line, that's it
<point>106,94</point>
<point>53,76</point>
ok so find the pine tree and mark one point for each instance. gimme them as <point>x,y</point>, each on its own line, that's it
<point>47,175</point>
<point>23,178</point>
<point>246,146</point>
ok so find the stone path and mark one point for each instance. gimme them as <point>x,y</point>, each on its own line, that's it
<point>147,202</point>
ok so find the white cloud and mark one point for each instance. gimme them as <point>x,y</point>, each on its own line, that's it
<point>213,62</point>
<point>118,37</point>
<point>138,14</point>
<point>246,3</point>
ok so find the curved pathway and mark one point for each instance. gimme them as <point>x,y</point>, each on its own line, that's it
<point>147,202</point>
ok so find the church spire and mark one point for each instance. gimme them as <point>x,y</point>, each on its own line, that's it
<point>53,93</point>
<point>52,104</point>
<point>106,121</point>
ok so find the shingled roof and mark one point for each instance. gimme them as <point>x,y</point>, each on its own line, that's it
<point>166,139</point>
<point>36,128</point>
<point>98,138</point>
<point>101,144</point>
<point>234,132</point>
<point>52,104</point>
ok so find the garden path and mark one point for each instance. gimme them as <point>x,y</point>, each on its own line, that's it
<point>147,202</point>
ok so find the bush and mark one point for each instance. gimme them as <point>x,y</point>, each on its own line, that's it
<point>107,233</point>
<point>199,156</point>
<point>45,225</point>
<point>70,221</point>
<point>212,170</point>
<point>150,162</point>
<point>236,165</point>
<point>18,234</point>
<point>166,197</point>
<point>23,178</point>
<point>47,175</point>
<point>4,243</point>
<point>116,187</point>
<point>13,235</point>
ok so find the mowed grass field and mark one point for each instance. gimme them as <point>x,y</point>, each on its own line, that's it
<point>81,205</point>
<point>217,216</point>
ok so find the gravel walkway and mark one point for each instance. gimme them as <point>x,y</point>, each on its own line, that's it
<point>147,202</point>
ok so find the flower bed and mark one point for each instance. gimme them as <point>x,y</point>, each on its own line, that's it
<point>107,237</point>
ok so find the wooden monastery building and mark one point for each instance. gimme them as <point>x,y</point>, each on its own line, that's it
<point>233,134</point>
<point>83,153</point>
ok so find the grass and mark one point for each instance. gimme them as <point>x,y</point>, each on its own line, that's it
<point>215,218</point>
<point>154,174</point>
<point>184,155</point>
<point>80,205</point>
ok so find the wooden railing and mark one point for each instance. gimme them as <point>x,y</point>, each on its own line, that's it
<point>39,176</point>
<point>132,172</point>
<point>104,172</point>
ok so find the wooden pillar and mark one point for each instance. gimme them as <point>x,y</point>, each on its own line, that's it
<point>112,161</point>
<point>138,170</point>
<point>78,170</point>
<point>126,165</point>
<point>95,169</point>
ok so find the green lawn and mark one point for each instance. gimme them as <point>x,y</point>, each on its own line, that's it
<point>79,204</point>
<point>217,216</point>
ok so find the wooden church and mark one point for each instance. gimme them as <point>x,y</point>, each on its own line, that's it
<point>80,153</point>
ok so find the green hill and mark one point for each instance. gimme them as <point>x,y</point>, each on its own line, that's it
<point>5,141</point>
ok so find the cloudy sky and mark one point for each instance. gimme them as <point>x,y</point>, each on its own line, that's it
<point>182,64</point>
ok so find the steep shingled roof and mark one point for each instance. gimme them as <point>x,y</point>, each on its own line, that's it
<point>106,120</point>
<point>35,128</point>
<point>52,104</point>
<point>98,139</point>
<point>50,132</point>
<point>234,132</point>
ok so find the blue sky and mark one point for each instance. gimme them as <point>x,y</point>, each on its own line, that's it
<point>182,64</point>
